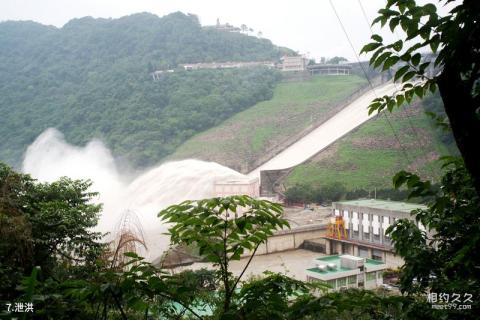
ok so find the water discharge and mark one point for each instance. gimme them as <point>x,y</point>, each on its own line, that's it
<point>50,157</point>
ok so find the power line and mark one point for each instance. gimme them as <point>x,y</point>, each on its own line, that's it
<point>404,109</point>
<point>404,151</point>
<point>365,16</point>
<point>371,31</point>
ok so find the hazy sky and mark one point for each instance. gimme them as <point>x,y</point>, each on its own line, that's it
<point>307,26</point>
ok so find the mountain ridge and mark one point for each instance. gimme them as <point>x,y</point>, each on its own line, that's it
<point>91,79</point>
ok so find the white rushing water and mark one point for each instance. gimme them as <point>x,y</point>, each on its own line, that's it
<point>51,157</point>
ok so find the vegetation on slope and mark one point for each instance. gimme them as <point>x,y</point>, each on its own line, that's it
<point>91,79</point>
<point>243,139</point>
<point>368,157</point>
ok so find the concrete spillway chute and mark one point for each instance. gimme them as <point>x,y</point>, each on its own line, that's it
<point>350,117</point>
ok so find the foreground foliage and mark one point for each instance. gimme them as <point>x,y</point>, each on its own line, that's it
<point>224,229</point>
<point>45,230</point>
<point>445,258</point>
<point>68,274</point>
<point>454,66</point>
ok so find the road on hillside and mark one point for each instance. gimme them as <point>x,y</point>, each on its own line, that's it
<point>334,128</point>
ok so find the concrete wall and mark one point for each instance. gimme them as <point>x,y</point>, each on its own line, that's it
<point>269,180</point>
<point>315,245</point>
<point>393,261</point>
<point>281,243</point>
<point>284,240</point>
<point>390,259</point>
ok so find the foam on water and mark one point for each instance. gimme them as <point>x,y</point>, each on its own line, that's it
<point>51,157</point>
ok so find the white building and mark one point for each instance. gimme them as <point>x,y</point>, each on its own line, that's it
<point>330,69</point>
<point>295,63</point>
<point>365,224</point>
<point>347,271</point>
<point>239,186</point>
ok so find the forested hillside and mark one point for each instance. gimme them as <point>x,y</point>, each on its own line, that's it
<point>91,79</point>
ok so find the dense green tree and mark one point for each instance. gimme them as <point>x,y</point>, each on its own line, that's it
<point>337,60</point>
<point>44,225</point>
<point>454,67</point>
<point>445,258</point>
<point>299,193</point>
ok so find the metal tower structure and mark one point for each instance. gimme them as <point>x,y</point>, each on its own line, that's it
<point>336,228</point>
<point>128,237</point>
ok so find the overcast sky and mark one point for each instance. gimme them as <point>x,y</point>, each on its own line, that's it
<point>307,26</point>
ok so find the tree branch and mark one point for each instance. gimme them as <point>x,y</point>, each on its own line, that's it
<point>119,305</point>
<point>245,269</point>
<point>225,261</point>
<point>68,257</point>
<point>180,303</point>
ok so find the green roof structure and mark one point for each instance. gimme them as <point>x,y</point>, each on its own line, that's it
<point>384,205</point>
<point>338,270</point>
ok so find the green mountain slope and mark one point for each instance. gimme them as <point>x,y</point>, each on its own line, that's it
<point>369,156</point>
<point>91,79</point>
<point>251,136</point>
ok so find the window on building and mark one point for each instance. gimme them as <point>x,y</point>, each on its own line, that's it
<point>355,221</point>
<point>352,280</point>
<point>365,222</point>
<point>371,276</point>
<point>377,255</point>
<point>331,283</point>
<point>341,282</point>
<point>363,252</point>
<point>375,224</point>
<point>360,280</point>
<point>346,218</point>
<point>379,274</point>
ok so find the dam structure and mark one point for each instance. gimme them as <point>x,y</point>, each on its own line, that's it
<point>50,157</point>
<point>349,118</point>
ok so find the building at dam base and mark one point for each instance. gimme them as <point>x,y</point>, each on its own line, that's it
<point>237,186</point>
<point>347,271</point>
<point>364,223</point>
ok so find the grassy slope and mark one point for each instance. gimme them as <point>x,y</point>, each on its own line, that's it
<point>369,156</point>
<point>240,140</point>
